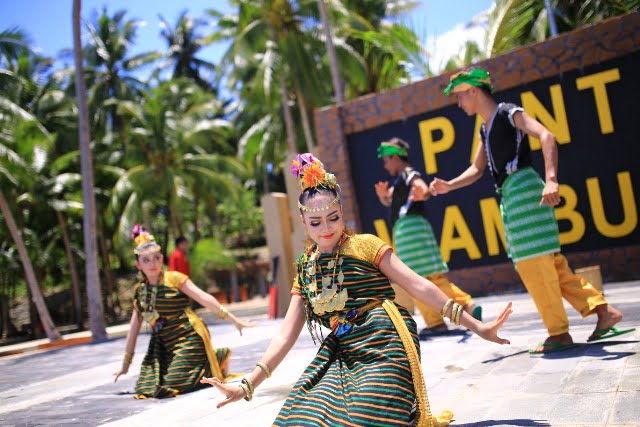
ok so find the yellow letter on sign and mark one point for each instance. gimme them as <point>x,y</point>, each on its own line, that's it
<point>569,213</point>
<point>454,223</point>
<point>629,209</point>
<point>431,147</point>
<point>597,82</point>
<point>558,125</point>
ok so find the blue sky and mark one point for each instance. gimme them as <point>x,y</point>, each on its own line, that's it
<point>48,22</point>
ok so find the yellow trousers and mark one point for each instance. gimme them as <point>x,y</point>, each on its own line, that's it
<point>548,278</point>
<point>431,317</point>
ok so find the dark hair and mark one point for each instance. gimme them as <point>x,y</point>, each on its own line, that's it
<point>314,191</point>
<point>180,239</point>
<point>486,91</point>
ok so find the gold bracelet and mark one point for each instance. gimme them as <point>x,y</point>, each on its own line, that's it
<point>265,368</point>
<point>222,312</point>
<point>248,395</point>
<point>249,388</point>
<point>128,358</point>
<point>456,312</point>
<point>248,382</point>
<point>445,307</point>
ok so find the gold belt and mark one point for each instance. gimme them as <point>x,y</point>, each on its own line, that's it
<point>341,323</point>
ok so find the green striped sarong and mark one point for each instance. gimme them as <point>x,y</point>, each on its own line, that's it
<point>416,245</point>
<point>531,230</point>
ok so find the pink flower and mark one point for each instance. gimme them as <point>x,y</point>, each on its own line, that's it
<point>295,168</point>
<point>137,229</point>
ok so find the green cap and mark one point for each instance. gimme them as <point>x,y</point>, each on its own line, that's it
<point>464,80</point>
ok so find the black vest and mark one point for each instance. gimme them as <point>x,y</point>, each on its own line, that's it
<point>401,191</point>
<point>507,147</point>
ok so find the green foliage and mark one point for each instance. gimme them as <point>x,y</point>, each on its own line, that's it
<point>207,256</point>
<point>242,221</point>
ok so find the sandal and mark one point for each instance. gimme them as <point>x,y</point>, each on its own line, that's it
<point>603,334</point>
<point>552,347</point>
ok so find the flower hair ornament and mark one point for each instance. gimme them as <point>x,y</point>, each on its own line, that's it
<point>145,242</point>
<point>310,173</point>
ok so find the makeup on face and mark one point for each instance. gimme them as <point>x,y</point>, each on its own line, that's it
<point>150,259</point>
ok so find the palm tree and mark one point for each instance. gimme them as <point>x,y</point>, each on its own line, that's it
<point>13,43</point>
<point>23,145</point>
<point>514,23</point>
<point>272,51</point>
<point>331,51</point>
<point>54,192</point>
<point>470,54</point>
<point>184,43</point>
<point>179,152</point>
<point>110,71</point>
<point>96,311</point>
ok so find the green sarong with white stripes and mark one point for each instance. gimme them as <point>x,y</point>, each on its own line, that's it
<point>531,230</point>
<point>416,245</point>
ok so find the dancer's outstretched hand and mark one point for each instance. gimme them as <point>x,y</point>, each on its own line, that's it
<point>489,330</point>
<point>240,324</point>
<point>382,189</point>
<point>439,186</point>
<point>122,371</point>
<point>232,393</point>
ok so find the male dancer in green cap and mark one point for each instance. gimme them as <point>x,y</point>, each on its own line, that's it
<point>529,221</point>
<point>413,238</point>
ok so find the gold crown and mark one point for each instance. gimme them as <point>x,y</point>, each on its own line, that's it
<point>143,238</point>
<point>144,242</point>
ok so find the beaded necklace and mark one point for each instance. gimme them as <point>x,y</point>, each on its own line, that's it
<point>149,312</point>
<point>330,297</point>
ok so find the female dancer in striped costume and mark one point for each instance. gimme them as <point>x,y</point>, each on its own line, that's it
<point>180,351</point>
<point>367,370</point>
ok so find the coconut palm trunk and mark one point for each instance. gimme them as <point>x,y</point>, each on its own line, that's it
<point>331,51</point>
<point>96,310</point>
<point>284,100</point>
<point>47,323</point>
<point>306,125</point>
<point>73,270</point>
<point>288,118</point>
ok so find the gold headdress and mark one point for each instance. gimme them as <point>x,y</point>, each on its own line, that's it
<point>145,242</point>
<point>311,174</point>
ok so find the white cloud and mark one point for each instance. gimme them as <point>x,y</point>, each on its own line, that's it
<point>446,45</point>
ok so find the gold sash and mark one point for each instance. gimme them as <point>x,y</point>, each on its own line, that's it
<point>201,329</point>
<point>424,418</point>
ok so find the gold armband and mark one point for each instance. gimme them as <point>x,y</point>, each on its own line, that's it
<point>445,307</point>
<point>265,368</point>
<point>128,358</point>
<point>247,386</point>
<point>223,313</point>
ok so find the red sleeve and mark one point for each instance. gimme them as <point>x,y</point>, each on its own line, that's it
<point>172,262</point>
<point>178,262</point>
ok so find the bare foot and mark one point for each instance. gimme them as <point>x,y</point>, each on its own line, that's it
<point>554,341</point>
<point>608,316</point>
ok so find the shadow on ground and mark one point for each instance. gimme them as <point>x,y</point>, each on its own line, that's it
<point>518,422</point>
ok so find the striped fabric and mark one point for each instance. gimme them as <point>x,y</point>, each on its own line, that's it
<point>176,358</point>
<point>362,377</point>
<point>416,245</point>
<point>531,230</point>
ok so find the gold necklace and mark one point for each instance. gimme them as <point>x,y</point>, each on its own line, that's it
<point>149,312</point>
<point>330,298</point>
